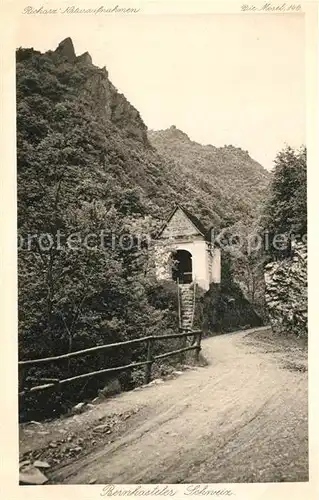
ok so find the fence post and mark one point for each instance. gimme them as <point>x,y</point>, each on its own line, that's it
<point>179,304</point>
<point>198,346</point>
<point>148,367</point>
<point>183,344</point>
<point>22,375</point>
<point>23,371</point>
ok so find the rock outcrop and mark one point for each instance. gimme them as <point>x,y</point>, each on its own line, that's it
<point>66,49</point>
<point>84,58</point>
<point>108,101</point>
<point>286,292</point>
<point>113,105</point>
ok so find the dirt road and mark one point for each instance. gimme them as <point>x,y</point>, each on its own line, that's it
<point>242,418</point>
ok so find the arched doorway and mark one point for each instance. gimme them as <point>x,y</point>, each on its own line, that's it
<point>182,268</point>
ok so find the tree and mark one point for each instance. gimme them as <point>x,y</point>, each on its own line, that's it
<point>285,220</point>
<point>286,210</point>
<point>82,173</point>
<point>81,265</point>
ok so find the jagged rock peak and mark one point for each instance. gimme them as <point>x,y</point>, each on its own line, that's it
<point>171,133</point>
<point>66,48</point>
<point>104,97</point>
<point>85,58</point>
<point>105,71</point>
<point>177,132</point>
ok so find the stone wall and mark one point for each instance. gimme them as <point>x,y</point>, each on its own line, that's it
<point>286,292</point>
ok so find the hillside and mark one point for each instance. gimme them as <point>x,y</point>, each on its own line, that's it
<point>225,183</point>
<point>86,166</point>
<point>230,182</point>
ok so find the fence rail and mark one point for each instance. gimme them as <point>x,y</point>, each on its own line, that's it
<point>25,365</point>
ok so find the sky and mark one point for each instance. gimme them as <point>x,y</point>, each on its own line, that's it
<point>221,78</point>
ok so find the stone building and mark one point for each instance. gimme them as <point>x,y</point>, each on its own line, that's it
<point>185,252</point>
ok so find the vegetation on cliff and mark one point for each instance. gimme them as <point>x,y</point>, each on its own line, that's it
<point>86,166</point>
<point>285,218</point>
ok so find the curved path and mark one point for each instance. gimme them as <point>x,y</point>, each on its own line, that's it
<point>243,418</point>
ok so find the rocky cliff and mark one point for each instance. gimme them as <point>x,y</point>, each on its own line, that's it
<point>218,185</point>
<point>109,102</point>
<point>286,292</point>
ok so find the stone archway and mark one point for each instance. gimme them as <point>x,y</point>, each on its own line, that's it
<point>182,268</point>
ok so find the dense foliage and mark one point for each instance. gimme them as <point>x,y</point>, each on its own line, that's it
<point>231,184</point>
<point>225,308</point>
<point>286,209</point>
<point>285,219</point>
<point>86,169</point>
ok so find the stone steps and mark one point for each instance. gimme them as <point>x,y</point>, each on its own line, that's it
<point>186,304</point>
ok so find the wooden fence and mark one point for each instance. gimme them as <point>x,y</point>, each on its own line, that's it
<point>56,384</point>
